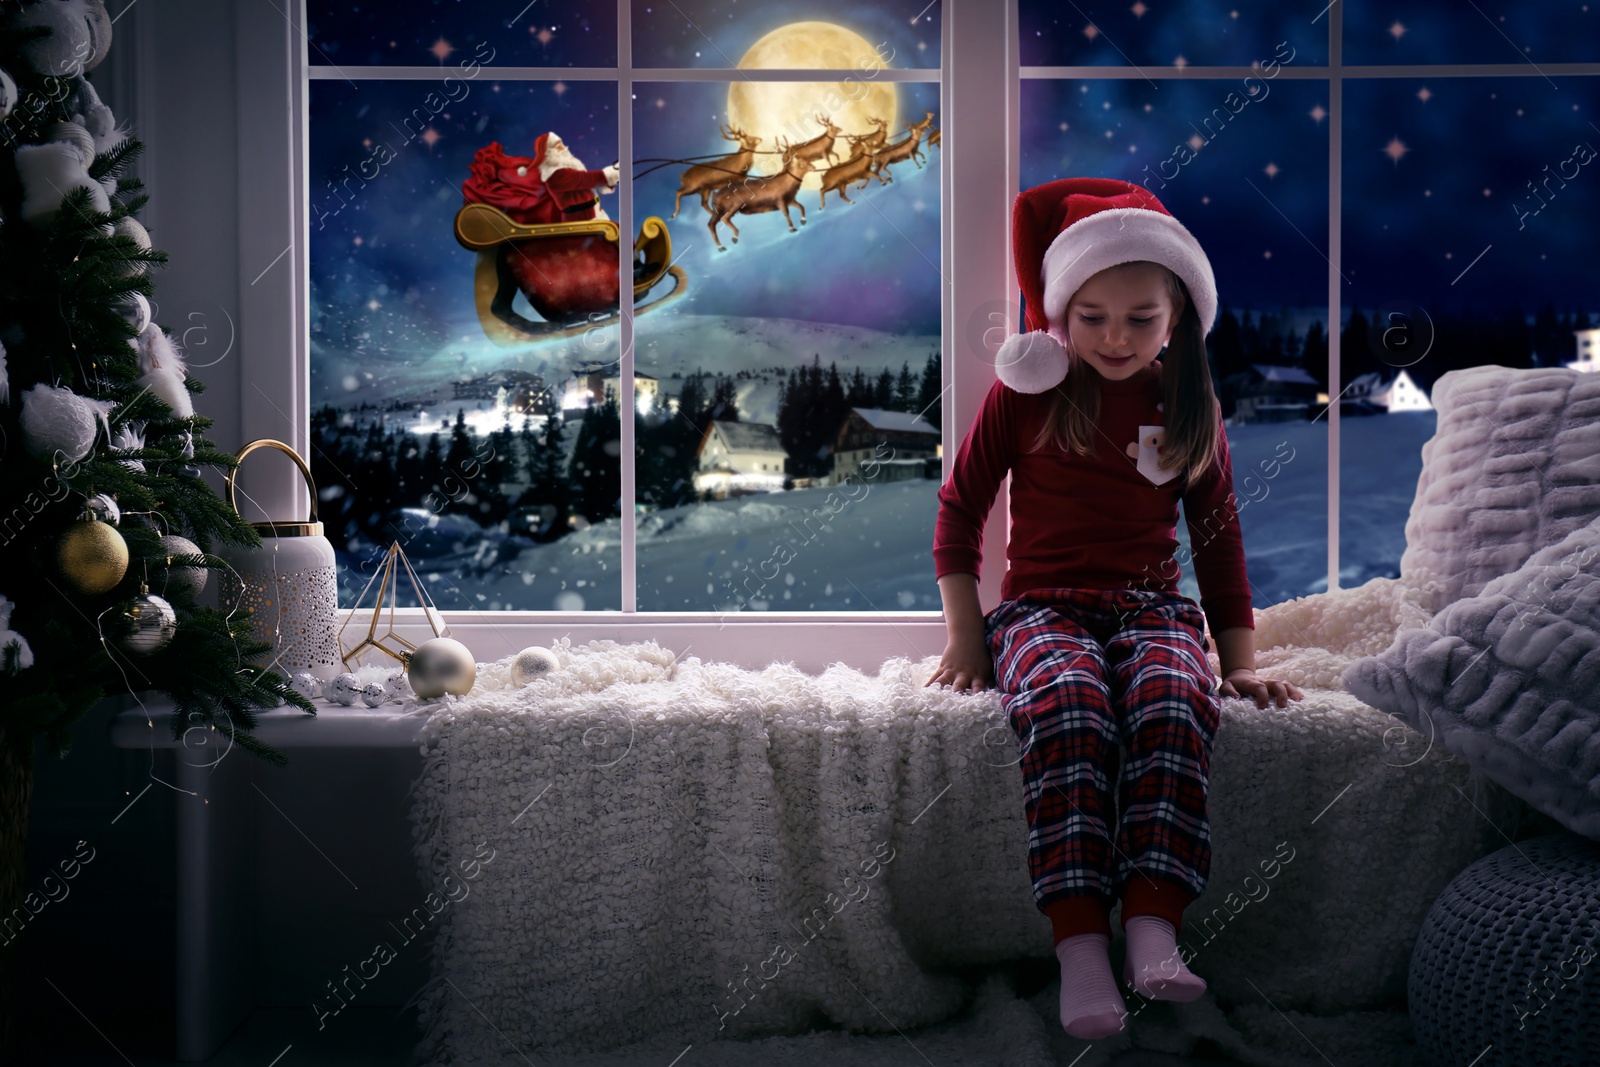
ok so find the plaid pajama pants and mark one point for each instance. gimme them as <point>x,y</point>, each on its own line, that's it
<point>1079,670</point>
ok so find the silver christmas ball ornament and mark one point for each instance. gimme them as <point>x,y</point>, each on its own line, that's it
<point>192,578</point>
<point>374,694</point>
<point>146,624</point>
<point>345,689</point>
<point>441,665</point>
<point>306,684</point>
<point>103,507</point>
<point>396,685</point>
<point>533,664</point>
<point>136,309</point>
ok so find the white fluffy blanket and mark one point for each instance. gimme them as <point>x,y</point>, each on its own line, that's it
<point>688,853</point>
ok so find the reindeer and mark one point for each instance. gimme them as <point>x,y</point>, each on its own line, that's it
<point>933,138</point>
<point>872,140</point>
<point>857,168</point>
<point>820,146</point>
<point>754,195</point>
<point>900,151</point>
<point>702,178</point>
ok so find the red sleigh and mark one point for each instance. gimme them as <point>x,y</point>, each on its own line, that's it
<point>567,271</point>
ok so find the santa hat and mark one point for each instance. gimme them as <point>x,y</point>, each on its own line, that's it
<point>539,144</point>
<point>1066,231</point>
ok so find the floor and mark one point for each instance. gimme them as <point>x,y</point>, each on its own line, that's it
<point>369,1037</point>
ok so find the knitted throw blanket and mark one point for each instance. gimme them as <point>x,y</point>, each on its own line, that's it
<point>642,851</point>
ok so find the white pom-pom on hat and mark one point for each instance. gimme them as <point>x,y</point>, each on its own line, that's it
<point>1066,231</point>
<point>1031,362</point>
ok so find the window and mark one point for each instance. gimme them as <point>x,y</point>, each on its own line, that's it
<point>1412,172</point>
<point>470,370</point>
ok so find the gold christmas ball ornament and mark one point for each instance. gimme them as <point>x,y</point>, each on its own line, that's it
<point>92,556</point>
<point>145,625</point>
<point>439,666</point>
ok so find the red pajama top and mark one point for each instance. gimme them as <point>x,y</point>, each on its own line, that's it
<point>1104,522</point>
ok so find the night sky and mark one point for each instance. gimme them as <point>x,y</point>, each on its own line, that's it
<point>1437,205</point>
<point>667,33</point>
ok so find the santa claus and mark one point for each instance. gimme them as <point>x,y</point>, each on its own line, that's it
<point>570,190</point>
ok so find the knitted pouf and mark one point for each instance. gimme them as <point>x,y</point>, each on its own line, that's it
<point>1505,960</point>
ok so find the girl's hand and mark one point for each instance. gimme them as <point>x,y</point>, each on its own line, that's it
<point>1242,682</point>
<point>966,665</point>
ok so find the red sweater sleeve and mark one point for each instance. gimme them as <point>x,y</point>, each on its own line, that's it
<point>965,499</point>
<point>1217,544</point>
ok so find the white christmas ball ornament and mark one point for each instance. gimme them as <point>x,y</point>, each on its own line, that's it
<point>533,664</point>
<point>441,665</point>
<point>104,508</point>
<point>374,694</point>
<point>128,226</point>
<point>8,94</point>
<point>80,35</point>
<point>194,578</point>
<point>345,689</point>
<point>397,686</point>
<point>306,684</point>
<point>58,424</point>
<point>75,135</point>
<point>136,309</point>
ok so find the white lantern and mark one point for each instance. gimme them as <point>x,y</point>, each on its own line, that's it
<point>289,585</point>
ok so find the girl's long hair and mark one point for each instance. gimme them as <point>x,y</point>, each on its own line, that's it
<point>1188,402</point>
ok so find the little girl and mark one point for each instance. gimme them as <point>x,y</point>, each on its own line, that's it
<point>1092,642</point>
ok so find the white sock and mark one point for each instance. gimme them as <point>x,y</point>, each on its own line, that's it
<point>1153,967</point>
<point>1091,1007</point>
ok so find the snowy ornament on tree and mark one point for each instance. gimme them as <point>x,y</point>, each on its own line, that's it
<point>533,664</point>
<point>50,171</point>
<point>80,35</point>
<point>132,228</point>
<point>192,578</point>
<point>129,437</point>
<point>163,370</point>
<point>59,424</point>
<point>15,655</point>
<point>95,117</point>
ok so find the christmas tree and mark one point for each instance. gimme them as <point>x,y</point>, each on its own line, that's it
<point>107,525</point>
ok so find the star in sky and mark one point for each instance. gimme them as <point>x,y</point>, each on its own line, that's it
<point>544,35</point>
<point>1395,149</point>
<point>1318,113</point>
<point>441,49</point>
<point>1271,170</point>
<point>1398,30</point>
<point>1423,94</point>
<point>430,137</point>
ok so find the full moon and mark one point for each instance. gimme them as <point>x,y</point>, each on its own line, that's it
<point>771,110</point>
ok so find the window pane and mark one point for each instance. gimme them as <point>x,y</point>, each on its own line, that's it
<point>1459,254</point>
<point>789,459</point>
<point>1202,33</point>
<point>811,36</point>
<point>1425,31</point>
<point>435,388</point>
<point>1248,175</point>
<point>417,33</point>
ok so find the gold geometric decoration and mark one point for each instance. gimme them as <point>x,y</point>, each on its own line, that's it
<point>389,643</point>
